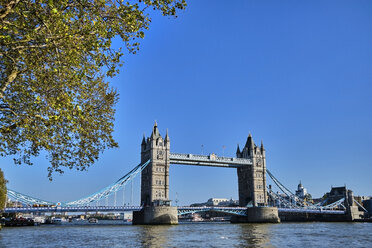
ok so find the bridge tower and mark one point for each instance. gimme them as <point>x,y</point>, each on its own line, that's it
<point>252,185</point>
<point>155,177</point>
<point>252,179</point>
<point>155,182</point>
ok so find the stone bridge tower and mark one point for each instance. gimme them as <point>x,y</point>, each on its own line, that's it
<point>155,182</point>
<point>252,186</point>
<point>155,177</point>
<point>252,179</point>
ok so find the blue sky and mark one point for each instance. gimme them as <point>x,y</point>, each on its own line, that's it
<point>296,74</point>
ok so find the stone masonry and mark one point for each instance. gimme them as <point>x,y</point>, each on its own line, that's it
<point>252,179</point>
<point>155,177</point>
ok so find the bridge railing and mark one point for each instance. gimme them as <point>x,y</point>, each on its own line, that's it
<point>313,211</point>
<point>229,210</point>
<point>72,209</point>
<point>210,158</point>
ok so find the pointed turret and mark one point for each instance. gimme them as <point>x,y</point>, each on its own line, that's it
<point>238,152</point>
<point>166,136</point>
<point>249,144</point>
<point>155,132</point>
<point>143,144</point>
<point>262,146</point>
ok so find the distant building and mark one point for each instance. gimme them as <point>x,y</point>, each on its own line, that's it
<point>128,215</point>
<point>217,202</point>
<point>221,202</point>
<point>14,204</point>
<point>301,191</point>
<point>367,204</point>
<point>337,193</point>
<point>361,199</point>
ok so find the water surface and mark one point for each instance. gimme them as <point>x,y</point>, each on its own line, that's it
<point>116,234</point>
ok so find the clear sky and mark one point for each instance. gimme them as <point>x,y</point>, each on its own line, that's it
<point>296,74</point>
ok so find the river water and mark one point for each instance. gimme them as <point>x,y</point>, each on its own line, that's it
<point>116,234</point>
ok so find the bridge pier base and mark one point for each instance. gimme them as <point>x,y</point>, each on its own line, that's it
<point>258,215</point>
<point>156,215</point>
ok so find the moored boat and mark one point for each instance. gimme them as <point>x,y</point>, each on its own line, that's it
<point>92,220</point>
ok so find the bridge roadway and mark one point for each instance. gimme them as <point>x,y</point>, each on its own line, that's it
<point>208,160</point>
<point>181,210</point>
<point>73,209</point>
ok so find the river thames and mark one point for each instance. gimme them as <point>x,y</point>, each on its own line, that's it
<point>114,234</point>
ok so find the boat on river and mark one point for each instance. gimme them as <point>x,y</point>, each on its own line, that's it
<point>17,222</point>
<point>58,221</point>
<point>92,220</point>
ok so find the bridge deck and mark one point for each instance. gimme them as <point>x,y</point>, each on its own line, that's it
<point>181,210</point>
<point>208,160</point>
<point>73,209</point>
<point>310,211</point>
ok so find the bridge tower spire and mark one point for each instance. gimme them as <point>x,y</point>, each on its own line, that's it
<point>238,153</point>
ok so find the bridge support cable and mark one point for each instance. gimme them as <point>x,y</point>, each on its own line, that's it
<point>124,195</point>
<point>131,193</point>
<point>281,201</point>
<point>109,190</point>
<point>280,185</point>
<point>287,192</point>
<point>298,202</point>
<point>242,211</point>
<point>365,210</point>
<point>25,199</point>
<point>335,204</point>
<point>321,203</point>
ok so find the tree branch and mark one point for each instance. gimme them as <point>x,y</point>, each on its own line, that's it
<point>8,129</point>
<point>8,8</point>
<point>20,122</point>
<point>10,80</point>
<point>29,47</point>
<point>7,108</point>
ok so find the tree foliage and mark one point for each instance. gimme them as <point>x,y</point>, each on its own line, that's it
<point>2,190</point>
<point>56,57</point>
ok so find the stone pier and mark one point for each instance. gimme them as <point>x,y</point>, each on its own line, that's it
<point>258,215</point>
<point>156,215</point>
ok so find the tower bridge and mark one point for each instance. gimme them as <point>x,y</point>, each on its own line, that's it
<point>155,207</point>
<point>250,164</point>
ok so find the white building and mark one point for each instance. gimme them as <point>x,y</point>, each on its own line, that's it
<point>301,191</point>
<point>220,202</point>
